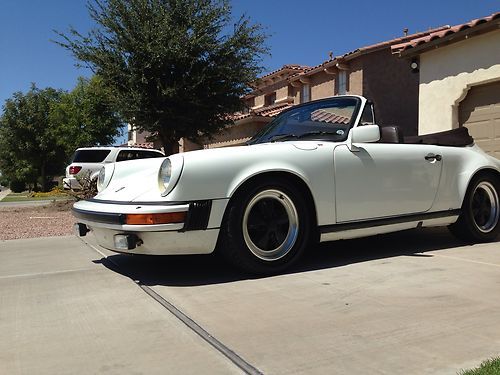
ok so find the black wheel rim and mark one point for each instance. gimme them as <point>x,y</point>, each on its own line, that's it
<point>270,225</point>
<point>485,207</point>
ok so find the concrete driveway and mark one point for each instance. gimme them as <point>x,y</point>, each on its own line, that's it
<point>415,302</point>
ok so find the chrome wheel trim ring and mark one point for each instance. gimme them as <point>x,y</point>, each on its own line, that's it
<point>293,225</point>
<point>489,190</point>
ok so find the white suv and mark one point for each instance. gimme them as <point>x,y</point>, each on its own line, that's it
<point>88,161</point>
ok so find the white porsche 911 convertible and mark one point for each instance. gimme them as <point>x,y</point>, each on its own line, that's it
<point>320,171</point>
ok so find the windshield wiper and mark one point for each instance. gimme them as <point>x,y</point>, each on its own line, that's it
<point>280,137</point>
<point>317,132</point>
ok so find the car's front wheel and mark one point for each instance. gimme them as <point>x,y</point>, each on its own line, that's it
<point>267,228</point>
<point>480,217</point>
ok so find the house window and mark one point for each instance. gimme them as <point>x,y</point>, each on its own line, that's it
<point>342,82</point>
<point>305,95</point>
<point>270,99</point>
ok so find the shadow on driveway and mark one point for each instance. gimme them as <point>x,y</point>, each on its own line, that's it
<point>194,270</point>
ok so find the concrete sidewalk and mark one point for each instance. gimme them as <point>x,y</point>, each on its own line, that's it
<point>413,302</point>
<point>4,193</point>
<point>64,313</point>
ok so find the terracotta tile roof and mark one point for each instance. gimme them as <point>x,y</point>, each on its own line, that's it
<point>326,116</point>
<point>367,49</point>
<point>297,67</point>
<point>142,145</point>
<point>272,110</point>
<point>440,34</point>
<point>269,111</point>
<point>231,142</point>
<point>240,116</point>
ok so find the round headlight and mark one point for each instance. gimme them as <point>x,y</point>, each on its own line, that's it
<point>165,175</point>
<point>104,176</point>
<point>100,179</point>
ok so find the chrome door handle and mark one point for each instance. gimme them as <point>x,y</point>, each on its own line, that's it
<point>432,157</point>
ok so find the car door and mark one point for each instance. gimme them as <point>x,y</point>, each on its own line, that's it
<point>377,180</point>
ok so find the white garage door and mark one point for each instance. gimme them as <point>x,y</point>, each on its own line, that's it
<point>480,113</point>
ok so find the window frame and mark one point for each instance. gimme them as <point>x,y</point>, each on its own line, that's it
<point>305,93</point>
<point>342,82</point>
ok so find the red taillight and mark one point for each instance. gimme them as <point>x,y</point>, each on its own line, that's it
<point>74,169</point>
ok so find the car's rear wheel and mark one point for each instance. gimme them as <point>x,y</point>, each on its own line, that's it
<point>480,217</point>
<point>267,228</point>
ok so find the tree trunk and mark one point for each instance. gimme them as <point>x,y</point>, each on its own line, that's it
<point>43,177</point>
<point>170,145</point>
<point>170,148</point>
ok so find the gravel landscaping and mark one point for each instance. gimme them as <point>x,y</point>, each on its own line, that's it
<point>54,219</point>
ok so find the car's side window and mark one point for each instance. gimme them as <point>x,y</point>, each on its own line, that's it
<point>136,154</point>
<point>125,155</point>
<point>367,116</point>
<point>145,154</point>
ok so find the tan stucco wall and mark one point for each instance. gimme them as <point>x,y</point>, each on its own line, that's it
<point>355,78</point>
<point>280,88</point>
<point>322,85</point>
<point>447,73</point>
<point>282,93</point>
<point>259,101</point>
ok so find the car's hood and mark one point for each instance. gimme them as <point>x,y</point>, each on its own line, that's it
<point>261,148</point>
<point>137,180</point>
<point>131,178</point>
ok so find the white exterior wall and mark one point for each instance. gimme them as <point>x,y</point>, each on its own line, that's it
<point>446,75</point>
<point>133,141</point>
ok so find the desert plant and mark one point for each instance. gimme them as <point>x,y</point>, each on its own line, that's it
<point>88,188</point>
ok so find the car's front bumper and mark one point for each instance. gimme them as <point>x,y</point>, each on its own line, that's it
<point>196,235</point>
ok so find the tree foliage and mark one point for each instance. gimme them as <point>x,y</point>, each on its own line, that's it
<point>176,67</point>
<point>84,116</point>
<point>29,152</point>
<point>41,129</point>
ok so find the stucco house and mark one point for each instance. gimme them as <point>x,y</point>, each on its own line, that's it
<point>372,71</point>
<point>271,94</point>
<point>459,70</point>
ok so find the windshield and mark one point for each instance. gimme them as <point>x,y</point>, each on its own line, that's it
<point>324,119</point>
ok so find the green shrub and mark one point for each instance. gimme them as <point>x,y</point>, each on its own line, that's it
<point>17,186</point>
<point>4,181</point>
<point>488,367</point>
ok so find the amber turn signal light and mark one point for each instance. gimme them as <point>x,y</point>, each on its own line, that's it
<point>151,219</point>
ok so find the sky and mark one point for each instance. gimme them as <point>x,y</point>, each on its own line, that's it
<point>300,32</point>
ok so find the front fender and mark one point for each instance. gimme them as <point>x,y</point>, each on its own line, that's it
<point>259,169</point>
<point>218,173</point>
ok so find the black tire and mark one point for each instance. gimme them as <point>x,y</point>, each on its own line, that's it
<point>479,220</point>
<point>253,234</point>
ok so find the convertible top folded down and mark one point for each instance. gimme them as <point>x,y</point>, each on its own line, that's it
<point>459,137</point>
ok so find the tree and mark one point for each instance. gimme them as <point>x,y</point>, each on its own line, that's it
<point>84,116</point>
<point>176,68</point>
<point>41,129</point>
<point>28,150</point>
